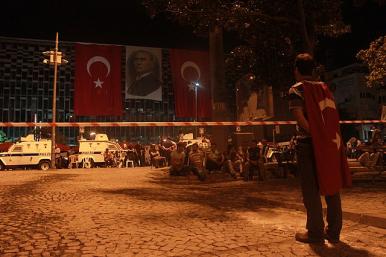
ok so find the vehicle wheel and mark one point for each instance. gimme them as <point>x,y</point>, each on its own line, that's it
<point>2,166</point>
<point>44,165</point>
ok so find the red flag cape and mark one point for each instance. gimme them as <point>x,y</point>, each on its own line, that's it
<point>189,67</point>
<point>97,80</point>
<point>331,162</point>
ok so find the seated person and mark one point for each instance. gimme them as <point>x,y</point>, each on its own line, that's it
<point>254,162</point>
<point>351,147</point>
<point>196,162</point>
<point>369,160</point>
<point>177,159</point>
<point>146,156</point>
<point>231,163</point>
<point>156,159</point>
<point>376,138</point>
<point>166,147</point>
<point>108,158</point>
<point>237,157</point>
<point>132,155</point>
<point>215,159</point>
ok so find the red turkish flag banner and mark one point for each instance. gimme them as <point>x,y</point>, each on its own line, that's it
<point>329,149</point>
<point>190,69</point>
<point>97,80</point>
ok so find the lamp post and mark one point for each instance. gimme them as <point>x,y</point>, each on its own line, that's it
<point>196,86</point>
<point>54,58</point>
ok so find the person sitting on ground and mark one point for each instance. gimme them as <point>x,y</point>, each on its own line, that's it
<point>177,159</point>
<point>232,162</point>
<point>196,162</point>
<point>371,158</point>
<point>215,159</point>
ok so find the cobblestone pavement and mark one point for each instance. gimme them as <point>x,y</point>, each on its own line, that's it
<point>143,212</point>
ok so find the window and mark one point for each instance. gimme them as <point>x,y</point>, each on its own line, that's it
<point>18,149</point>
<point>111,147</point>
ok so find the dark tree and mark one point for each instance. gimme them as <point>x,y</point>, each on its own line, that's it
<point>272,31</point>
<point>375,58</point>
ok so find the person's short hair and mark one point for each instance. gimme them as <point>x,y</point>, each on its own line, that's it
<point>153,59</point>
<point>304,63</point>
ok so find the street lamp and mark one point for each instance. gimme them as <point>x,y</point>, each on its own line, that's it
<point>196,85</point>
<point>54,58</point>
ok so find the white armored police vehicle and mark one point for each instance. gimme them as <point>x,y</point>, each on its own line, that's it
<point>28,152</point>
<point>91,152</point>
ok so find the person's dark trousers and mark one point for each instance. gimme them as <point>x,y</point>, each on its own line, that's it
<point>250,171</point>
<point>211,165</point>
<point>311,197</point>
<point>200,174</point>
<point>181,172</point>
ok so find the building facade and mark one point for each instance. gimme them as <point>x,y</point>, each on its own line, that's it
<point>26,88</point>
<point>355,100</point>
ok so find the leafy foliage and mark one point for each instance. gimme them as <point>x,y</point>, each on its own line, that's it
<point>272,31</point>
<point>375,58</point>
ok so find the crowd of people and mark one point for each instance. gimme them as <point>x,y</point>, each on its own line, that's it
<point>238,162</point>
<point>246,162</point>
<point>369,155</point>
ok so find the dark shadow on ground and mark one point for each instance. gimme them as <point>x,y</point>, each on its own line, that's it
<point>339,250</point>
<point>224,198</point>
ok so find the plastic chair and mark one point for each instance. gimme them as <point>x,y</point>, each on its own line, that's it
<point>73,161</point>
<point>131,163</point>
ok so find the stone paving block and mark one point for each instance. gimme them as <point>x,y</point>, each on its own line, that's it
<point>137,213</point>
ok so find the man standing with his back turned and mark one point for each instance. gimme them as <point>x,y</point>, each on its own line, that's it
<point>322,163</point>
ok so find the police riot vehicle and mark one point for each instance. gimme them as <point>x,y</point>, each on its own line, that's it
<point>27,152</point>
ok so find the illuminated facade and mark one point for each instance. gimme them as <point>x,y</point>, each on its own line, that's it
<point>26,86</point>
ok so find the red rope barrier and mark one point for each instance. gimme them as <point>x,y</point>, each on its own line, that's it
<point>169,124</point>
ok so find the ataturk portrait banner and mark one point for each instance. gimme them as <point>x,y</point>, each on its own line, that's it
<point>143,73</point>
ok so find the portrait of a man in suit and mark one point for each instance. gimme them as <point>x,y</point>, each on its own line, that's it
<point>144,71</point>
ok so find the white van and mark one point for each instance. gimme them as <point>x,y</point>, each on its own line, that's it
<point>91,152</point>
<point>27,152</point>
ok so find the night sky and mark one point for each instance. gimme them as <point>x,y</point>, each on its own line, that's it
<point>127,23</point>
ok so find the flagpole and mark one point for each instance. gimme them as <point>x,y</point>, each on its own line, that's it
<point>54,58</point>
<point>53,133</point>
<point>196,117</point>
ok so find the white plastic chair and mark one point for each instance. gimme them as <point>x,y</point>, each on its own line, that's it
<point>131,163</point>
<point>73,161</point>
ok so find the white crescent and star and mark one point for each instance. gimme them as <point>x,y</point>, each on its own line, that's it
<point>329,103</point>
<point>193,65</point>
<point>103,60</point>
<point>337,140</point>
<point>326,103</point>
